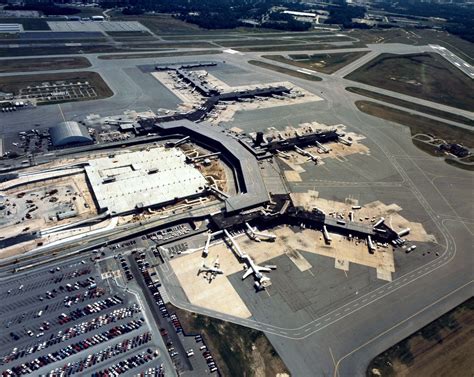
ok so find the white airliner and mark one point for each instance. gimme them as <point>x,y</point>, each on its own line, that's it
<point>254,269</point>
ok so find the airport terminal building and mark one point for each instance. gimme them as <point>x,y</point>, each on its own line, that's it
<point>122,183</point>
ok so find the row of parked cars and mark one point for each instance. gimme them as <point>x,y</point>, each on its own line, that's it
<point>41,361</point>
<point>206,354</point>
<point>153,287</point>
<point>71,332</point>
<point>95,307</point>
<point>125,267</point>
<point>91,360</point>
<point>129,363</point>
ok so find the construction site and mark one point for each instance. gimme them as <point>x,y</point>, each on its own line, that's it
<point>73,197</point>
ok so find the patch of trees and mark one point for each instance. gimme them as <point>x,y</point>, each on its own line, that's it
<point>48,10</point>
<point>283,21</point>
<point>460,18</point>
<point>132,11</point>
<point>343,14</point>
<point>209,14</point>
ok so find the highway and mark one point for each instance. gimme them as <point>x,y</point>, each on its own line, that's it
<point>86,244</point>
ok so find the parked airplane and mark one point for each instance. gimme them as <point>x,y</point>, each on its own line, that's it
<point>311,157</point>
<point>211,272</point>
<point>257,236</point>
<point>254,269</point>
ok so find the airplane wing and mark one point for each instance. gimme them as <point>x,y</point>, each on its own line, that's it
<point>263,269</point>
<point>247,273</point>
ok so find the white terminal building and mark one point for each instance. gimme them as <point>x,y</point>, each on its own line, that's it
<point>124,182</point>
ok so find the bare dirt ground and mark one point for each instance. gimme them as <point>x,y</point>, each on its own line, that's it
<point>70,190</point>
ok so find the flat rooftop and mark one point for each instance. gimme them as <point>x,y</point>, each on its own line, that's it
<point>124,182</point>
<point>253,191</point>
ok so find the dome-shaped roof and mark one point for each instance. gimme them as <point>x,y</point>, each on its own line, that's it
<point>66,133</point>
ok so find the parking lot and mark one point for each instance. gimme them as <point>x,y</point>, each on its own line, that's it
<point>188,351</point>
<point>65,320</point>
<point>58,91</point>
<point>135,262</point>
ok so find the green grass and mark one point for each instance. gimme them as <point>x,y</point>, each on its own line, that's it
<point>426,76</point>
<point>412,106</point>
<point>419,124</point>
<point>286,71</point>
<point>160,54</point>
<point>28,23</point>
<point>428,341</point>
<point>325,63</point>
<point>256,42</point>
<point>43,64</point>
<point>461,164</point>
<point>297,47</point>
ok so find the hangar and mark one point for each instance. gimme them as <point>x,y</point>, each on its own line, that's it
<point>124,182</point>
<point>67,133</point>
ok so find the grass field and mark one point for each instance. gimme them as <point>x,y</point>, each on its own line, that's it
<point>419,124</point>
<point>159,54</point>
<point>412,106</point>
<point>443,348</point>
<point>325,63</point>
<point>28,23</point>
<point>299,47</point>
<point>43,64</point>
<point>256,42</point>
<point>174,45</point>
<point>426,76</point>
<point>132,33</point>
<point>160,23</point>
<point>51,41</point>
<point>240,33</point>
<point>237,350</point>
<point>74,50</point>
<point>286,71</point>
<point>273,42</point>
<point>466,163</point>
<point>13,84</point>
<point>420,37</point>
